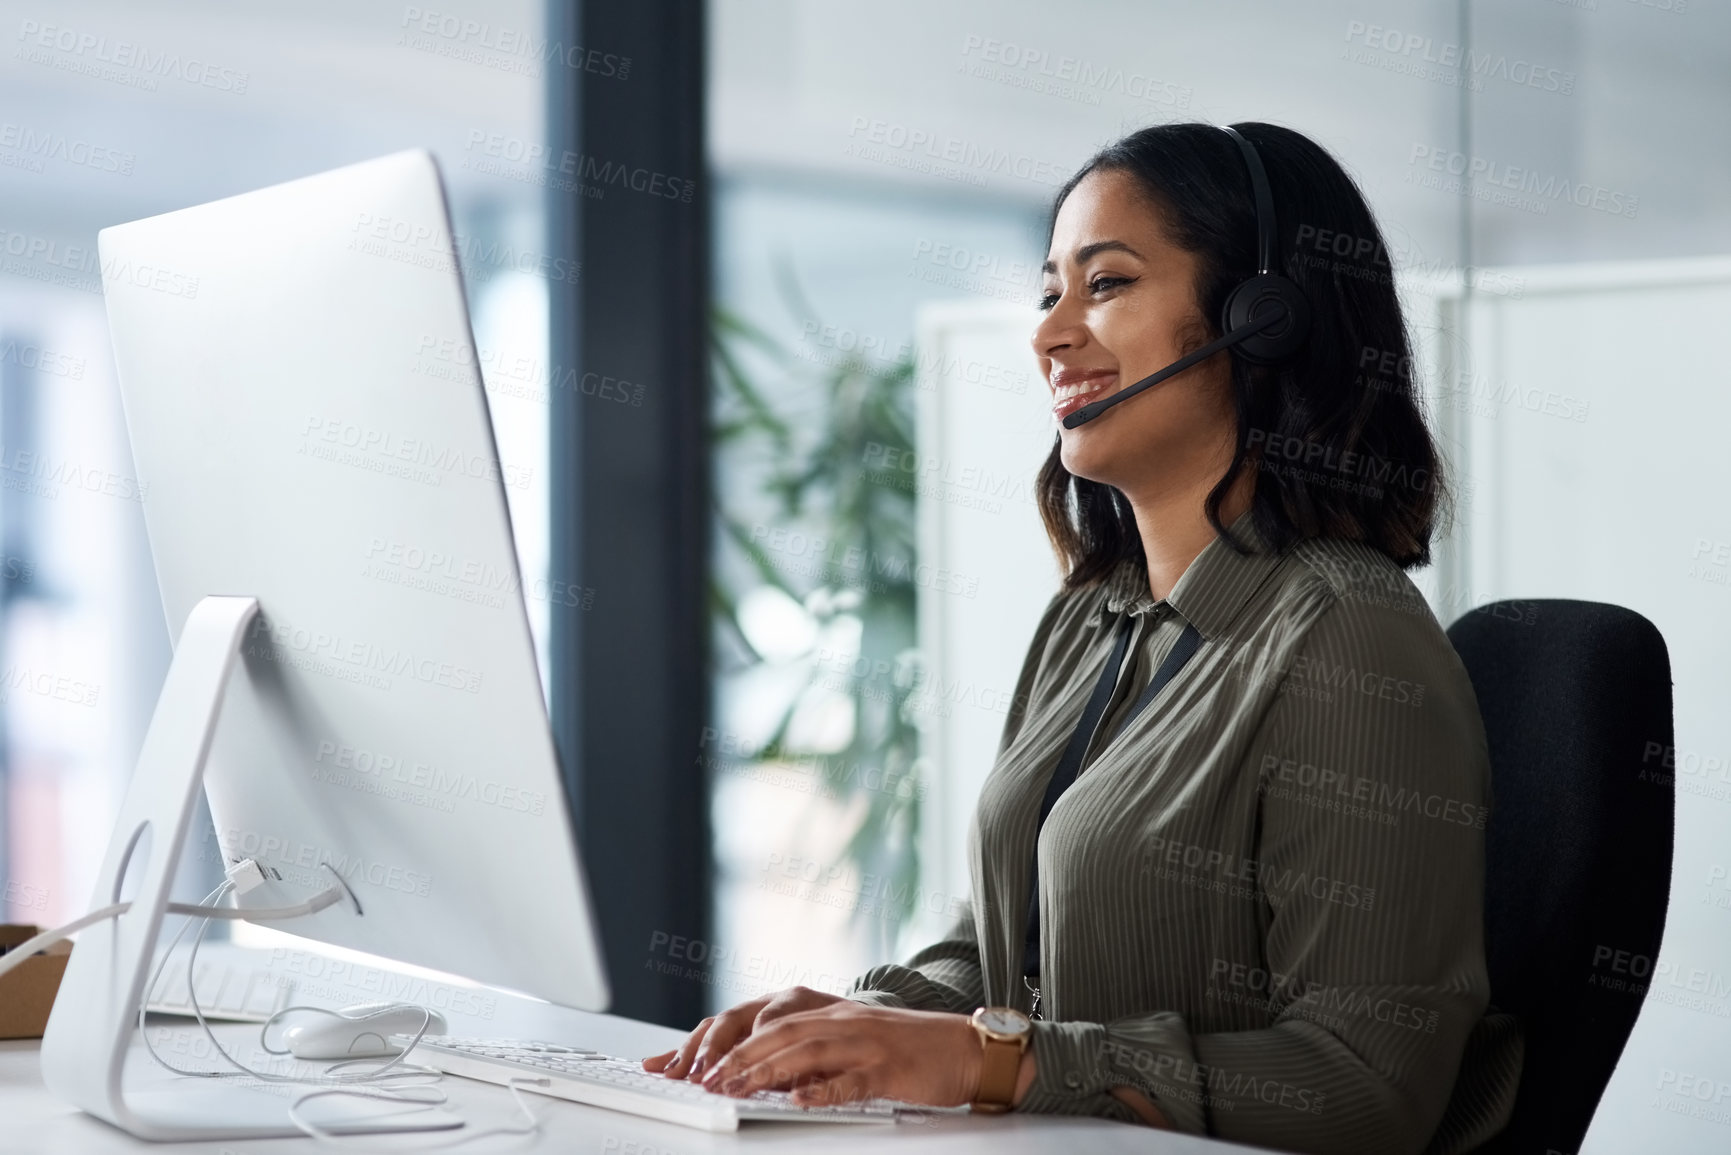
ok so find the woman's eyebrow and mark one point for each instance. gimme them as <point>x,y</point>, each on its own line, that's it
<point>1086,251</point>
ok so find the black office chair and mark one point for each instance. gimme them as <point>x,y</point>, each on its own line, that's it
<point>1576,699</point>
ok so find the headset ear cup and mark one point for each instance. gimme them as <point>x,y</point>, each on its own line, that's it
<point>1252,300</point>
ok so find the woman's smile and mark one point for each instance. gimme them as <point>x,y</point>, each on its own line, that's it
<point>1074,388</point>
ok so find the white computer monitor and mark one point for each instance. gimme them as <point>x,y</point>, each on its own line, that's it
<point>305,439</point>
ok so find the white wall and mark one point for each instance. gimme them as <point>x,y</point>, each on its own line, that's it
<point>984,428</point>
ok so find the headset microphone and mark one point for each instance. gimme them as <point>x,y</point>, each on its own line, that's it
<point>1265,318</point>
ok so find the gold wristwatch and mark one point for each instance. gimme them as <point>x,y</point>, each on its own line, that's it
<point>1004,1035</point>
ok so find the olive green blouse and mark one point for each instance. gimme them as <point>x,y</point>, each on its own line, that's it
<point>1262,902</point>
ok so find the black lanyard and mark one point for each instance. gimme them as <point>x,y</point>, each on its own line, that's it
<point>1071,763</point>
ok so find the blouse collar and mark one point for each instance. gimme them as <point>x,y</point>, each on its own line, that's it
<point>1211,591</point>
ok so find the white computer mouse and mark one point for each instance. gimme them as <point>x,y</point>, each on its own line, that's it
<point>359,1032</point>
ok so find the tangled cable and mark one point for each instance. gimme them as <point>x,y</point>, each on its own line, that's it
<point>392,1081</point>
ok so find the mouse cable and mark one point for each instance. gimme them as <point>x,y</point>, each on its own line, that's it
<point>336,892</point>
<point>330,1077</point>
<point>381,1083</point>
<point>515,1086</point>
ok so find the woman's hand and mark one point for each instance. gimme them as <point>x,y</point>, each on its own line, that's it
<point>847,1051</point>
<point>1145,1111</point>
<point>833,1050</point>
<point>715,1036</point>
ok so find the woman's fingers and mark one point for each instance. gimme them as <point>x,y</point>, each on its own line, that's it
<point>713,1038</point>
<point>680,1065</point>
<point>850,1051</point>
<point>817,1057</point>
<point>728,1028</point>
<point>771,1042</point>
<point>725,1065</point>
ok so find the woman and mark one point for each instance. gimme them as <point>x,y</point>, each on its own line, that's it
<point>1259,902</point>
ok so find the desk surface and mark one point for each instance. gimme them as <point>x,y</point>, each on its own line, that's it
<point>32,1120</point>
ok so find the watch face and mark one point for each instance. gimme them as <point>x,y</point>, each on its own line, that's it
<point>1004,1021</point>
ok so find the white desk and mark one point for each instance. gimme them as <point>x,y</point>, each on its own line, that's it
<point>33,1121</point>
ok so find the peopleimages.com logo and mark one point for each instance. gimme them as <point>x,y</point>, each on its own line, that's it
<point>122,61</point>
<point>1478,170</point>
<point>1412,51</point>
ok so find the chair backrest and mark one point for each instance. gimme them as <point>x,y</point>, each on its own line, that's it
<point>1576,701</point>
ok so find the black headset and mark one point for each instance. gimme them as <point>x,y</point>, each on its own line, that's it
<point>1266,317</point>
<point>1268,291</point>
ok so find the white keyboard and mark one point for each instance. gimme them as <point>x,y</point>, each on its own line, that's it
<point>623,1085</point>
<point>233,989</point>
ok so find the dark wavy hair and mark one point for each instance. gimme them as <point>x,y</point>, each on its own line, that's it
<point>1337,433</point>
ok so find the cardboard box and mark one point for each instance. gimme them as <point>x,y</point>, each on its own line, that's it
<point>27,994</point>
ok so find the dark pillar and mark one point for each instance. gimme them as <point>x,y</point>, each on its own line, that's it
<point>630,477</point>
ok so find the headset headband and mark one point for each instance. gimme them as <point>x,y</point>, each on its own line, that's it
<point>1264,202</point>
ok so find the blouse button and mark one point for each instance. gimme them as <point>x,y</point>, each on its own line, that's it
<point>1072,1080</point>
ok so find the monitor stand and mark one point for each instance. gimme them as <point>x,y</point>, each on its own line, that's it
<point>90,1029</point>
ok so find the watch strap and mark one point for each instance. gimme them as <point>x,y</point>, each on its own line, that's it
<point>1000,1063</point>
